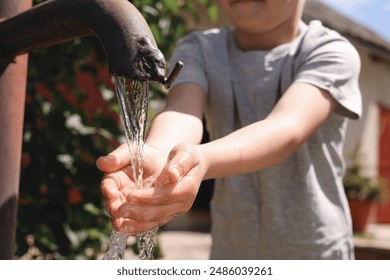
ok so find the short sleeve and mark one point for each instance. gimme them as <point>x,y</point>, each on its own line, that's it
<point>330,62</point>
<point>189,51</point>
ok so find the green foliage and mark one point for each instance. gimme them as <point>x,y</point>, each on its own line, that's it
<point>60,206</point>
<point>60,201</point>
<point>212,9</point>
<point>357,186</point>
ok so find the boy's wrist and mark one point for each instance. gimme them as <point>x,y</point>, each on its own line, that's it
<point>205,161</point>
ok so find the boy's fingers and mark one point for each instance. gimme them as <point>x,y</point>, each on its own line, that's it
<point>181,160</point>
<point>114,160</point>
<point>132,228</point>
<point>149,213</point>
<point>120,157</point>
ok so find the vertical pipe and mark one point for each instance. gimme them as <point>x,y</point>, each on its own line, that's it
<point>12,98</point>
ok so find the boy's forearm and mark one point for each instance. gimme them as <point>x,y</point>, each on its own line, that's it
<point>170,128</point>
<point>273,140</point>
<point>251,148</point>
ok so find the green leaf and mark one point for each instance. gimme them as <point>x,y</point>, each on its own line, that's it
<point>213,13</point>
<point>171,6</point>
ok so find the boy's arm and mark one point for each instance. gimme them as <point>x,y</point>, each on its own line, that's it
<point>181,119</point>
<point>301,110</point>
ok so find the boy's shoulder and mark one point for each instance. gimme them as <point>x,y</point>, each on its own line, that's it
<point>317,35</point>
<point>210,33</point>
<point>209,36</point>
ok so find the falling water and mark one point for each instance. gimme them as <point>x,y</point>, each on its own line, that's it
<point>133,100</point>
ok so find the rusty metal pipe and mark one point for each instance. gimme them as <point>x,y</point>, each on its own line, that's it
<point>12,96</point>
<point>126,37</point>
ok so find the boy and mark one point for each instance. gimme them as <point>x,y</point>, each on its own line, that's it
<point>276,94</point>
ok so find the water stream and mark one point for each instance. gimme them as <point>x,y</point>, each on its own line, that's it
<point>133,100</point>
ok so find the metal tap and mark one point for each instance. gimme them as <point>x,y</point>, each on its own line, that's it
<point>125,35</point>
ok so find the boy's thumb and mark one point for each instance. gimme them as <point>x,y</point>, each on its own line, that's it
<point>114,160</point>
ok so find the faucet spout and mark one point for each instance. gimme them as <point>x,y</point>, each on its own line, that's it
<point>126,37</point>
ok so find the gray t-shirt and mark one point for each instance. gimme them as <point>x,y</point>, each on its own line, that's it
<point>297,209</point>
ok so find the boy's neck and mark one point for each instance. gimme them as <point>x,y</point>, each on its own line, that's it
<point>283,34</point>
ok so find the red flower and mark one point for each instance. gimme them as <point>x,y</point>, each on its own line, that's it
<point>74,196</point>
